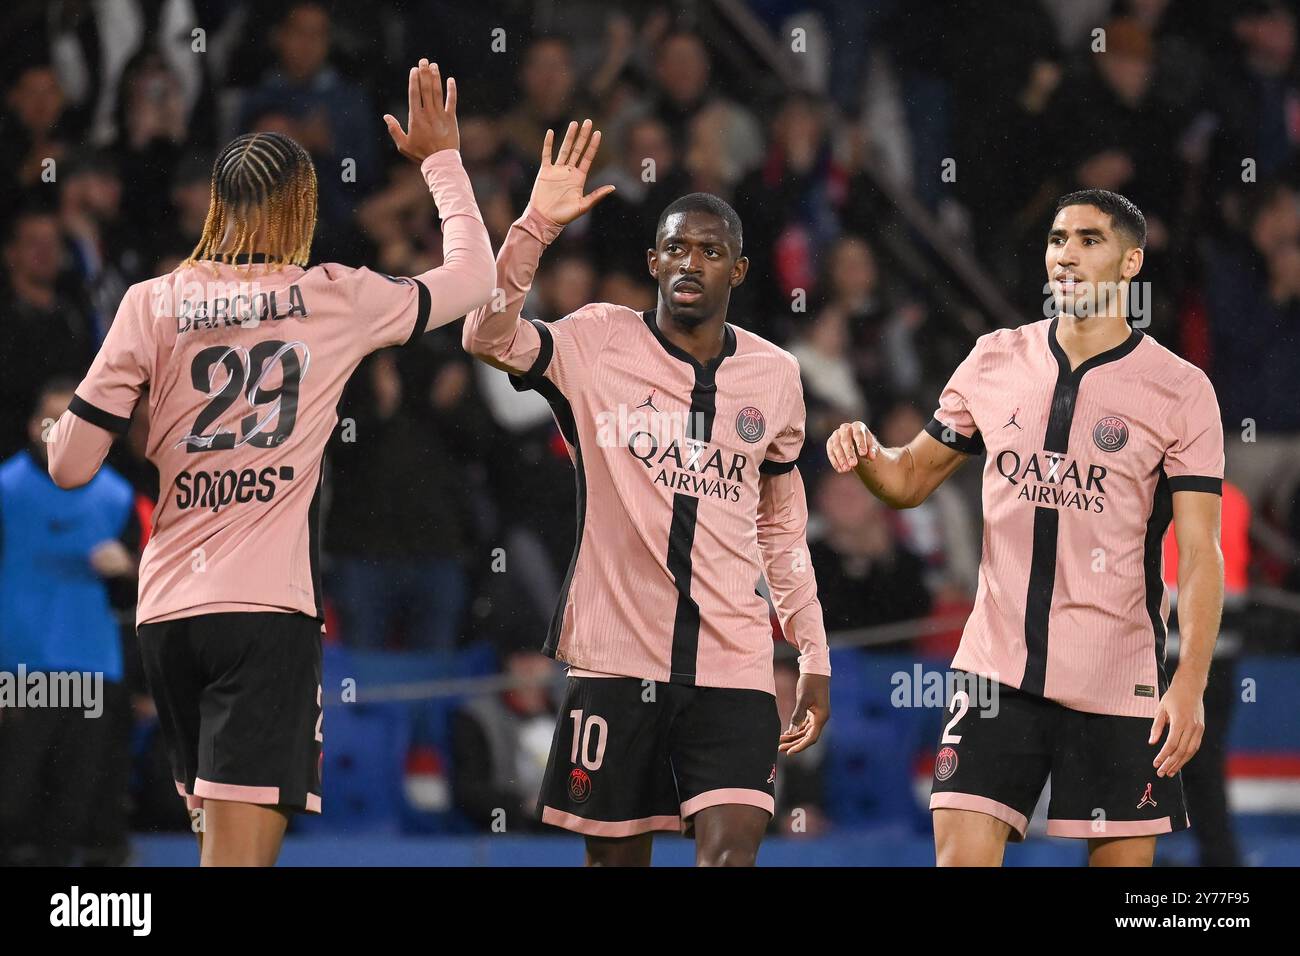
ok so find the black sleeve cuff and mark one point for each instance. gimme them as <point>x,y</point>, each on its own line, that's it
<point>97,416</point>
<point>424,305</point>
<point>769,467</point>
<point>537,371</point>
<point>974,445</point>
<point>1213,486</point>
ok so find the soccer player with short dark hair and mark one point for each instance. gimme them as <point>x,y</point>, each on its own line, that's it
<point>684,430</point>
<point>244,352</point>
<point>1094,437</point>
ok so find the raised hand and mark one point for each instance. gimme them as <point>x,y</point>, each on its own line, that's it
<point>430,121</point>
<point>557,193</point>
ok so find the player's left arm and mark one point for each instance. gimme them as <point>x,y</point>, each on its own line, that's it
<point>101,407</point>
<point>1194,464</point>
<point>783,544</point>
<point>1200,605</point>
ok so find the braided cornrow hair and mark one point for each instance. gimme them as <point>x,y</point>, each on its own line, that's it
<point>272,172</point>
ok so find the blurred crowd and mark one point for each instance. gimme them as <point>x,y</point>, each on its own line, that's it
<point>892,161</point>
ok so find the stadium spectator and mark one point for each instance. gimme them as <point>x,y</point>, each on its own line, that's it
<point>187,190</point>
<point>790,206</point>
<point>884,330</point>
<point>646,179</point>
<point>304,96</point>
<point>940,530</point>
<point>865,576</point>
<point>34,137</point>
<point>831,390</point>
<point>1254,103</point>
<point>550,93</point>
<point>92,43</point>
<point>46,331</point>
<point>104,255</point>
<point>398,532</point>
<point>152,118</point>
<point>1252,296</point>
<point>64,797</point>
<point>564,286</point>
<point>683,89</point>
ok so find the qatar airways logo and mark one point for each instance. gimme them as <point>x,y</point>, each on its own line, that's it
<point>1054,479</point>
<point>691,466</point>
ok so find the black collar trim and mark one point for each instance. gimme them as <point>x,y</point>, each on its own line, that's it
<point>257,258</point>
<point>677,352</point>
<point>1101,358</point>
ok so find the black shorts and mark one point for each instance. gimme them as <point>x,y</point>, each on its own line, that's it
<point>632,756</point>
<point>239,702</point>
<point>995,759</point>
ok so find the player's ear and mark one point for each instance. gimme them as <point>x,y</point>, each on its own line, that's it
<point>1132,263</point>
<point>652,262</point>
<point>739,269</point>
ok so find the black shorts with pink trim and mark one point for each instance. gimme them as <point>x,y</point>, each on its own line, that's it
<point>239,703</point>
<point>632,756</point>
<point>999,745</point>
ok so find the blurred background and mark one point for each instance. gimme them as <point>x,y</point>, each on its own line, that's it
<point>895,164</point>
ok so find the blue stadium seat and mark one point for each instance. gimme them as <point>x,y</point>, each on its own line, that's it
<point>873,745</point>
<point>364,753</point>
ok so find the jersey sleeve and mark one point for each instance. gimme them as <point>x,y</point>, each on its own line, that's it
<point>783,451</point>
<point>568,351</point>
<point>953,422</point>
<point>1194,458</point>
<point>107,395</point>
<point>394,310</point>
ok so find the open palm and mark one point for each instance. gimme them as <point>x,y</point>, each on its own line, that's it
<point>557,193</point>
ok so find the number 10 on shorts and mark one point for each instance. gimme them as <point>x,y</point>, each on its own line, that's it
<point>583,732</point>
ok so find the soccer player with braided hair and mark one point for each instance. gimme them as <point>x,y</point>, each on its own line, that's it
<point>243,352</point>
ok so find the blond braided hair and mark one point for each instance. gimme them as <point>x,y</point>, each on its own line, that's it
<point>271,173</point>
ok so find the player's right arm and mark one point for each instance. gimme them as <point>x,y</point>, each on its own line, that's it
<point>464,280</point>
<point>904,477</point>
<point>496,333</point>
<point>102,405</point>
<point>900,477</point>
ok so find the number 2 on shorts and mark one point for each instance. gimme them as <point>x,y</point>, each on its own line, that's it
<point>960,704</point>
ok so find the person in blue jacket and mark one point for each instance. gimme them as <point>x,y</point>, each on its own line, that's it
<point>62,552</point>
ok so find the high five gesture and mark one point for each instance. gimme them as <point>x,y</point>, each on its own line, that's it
<point>430,120</point>
<point>557,193</point>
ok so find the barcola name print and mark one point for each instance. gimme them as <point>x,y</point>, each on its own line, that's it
<point>74,690</point>
<point>74,908</point>
<point>215,305</point>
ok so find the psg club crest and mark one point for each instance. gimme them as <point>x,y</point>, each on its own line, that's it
<point>945,764</point>
<point>750,424</point>
<point>1110,434</point>
<point>579,785</point>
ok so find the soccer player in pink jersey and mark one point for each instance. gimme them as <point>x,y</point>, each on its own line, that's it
<point>684,430</point>
<point>244,363</point>
<point>1094,436</point>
